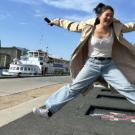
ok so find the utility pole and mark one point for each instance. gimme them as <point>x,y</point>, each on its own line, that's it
<point>0,43</point>
<point>5,61</point>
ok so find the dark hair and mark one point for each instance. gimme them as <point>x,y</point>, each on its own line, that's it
<point>100,8</point>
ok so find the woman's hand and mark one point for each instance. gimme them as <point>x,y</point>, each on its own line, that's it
<point>53,21</point>
<point>48,21</point>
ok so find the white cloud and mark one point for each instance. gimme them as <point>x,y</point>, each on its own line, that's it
<point>81,5</point>
<point>29,2</point>
<point>3,16</point>
<point>38,14</point>
<point>77,18</point>
<point>23,23</point>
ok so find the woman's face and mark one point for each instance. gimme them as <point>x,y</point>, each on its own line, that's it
<point>106,18</point>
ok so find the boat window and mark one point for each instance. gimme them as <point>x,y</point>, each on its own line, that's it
<point>41,63</point>
<point>35,54</point>
<point>21,68</point>
<point>17,68</point>
<point>29,68</point>
<point>14,68</point>
<point>40,58</point>
<point>41,54</point>
<point>25,68</point>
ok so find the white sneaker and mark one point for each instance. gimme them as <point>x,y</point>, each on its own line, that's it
<point>41,112</point>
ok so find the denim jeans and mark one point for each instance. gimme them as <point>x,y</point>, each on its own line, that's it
<point>92,69</point>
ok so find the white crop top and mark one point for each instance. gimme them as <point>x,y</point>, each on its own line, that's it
<point>101,47</point>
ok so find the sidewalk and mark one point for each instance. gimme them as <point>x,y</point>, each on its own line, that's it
<point>17,105</point>
<point>21,97</point>
<point>75,117</point>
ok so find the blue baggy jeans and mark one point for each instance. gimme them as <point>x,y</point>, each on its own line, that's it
<point>92,69</point>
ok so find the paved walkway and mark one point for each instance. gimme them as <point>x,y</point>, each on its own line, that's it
<point>25,96</point>
<point>73,119</point>
<point>16,85</point>
<point>19,95</point>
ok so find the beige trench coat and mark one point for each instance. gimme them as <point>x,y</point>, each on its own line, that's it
<point>123,53</point>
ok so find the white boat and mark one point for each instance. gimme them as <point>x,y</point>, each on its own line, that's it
<point>22,68</point>
<point>37,63</point>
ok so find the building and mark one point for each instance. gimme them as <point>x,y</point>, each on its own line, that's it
<point>7,54</point>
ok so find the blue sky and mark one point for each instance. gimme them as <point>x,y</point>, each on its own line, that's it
<point>22,25</point>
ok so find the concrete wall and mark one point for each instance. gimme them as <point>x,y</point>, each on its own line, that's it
<point>7,55</point>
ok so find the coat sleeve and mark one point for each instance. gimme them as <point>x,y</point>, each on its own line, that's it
<point>69,25</point>
<point>128,27</point>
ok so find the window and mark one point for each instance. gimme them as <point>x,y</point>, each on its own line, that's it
<point>25,68</point>
<point>17,68</point>
<point>40,58</point>
<point>35,54</point>
<point>21,68</point>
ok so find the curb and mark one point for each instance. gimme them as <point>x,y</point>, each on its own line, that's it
<point>11,114</point>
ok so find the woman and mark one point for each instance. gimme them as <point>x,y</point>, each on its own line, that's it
<point>102,52</point>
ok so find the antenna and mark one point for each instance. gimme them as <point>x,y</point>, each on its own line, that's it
<point>47,49</point>
<point>41,42</point>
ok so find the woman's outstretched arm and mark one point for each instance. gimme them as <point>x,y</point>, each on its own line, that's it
<point>69,25</point>
<point>128,27</point>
